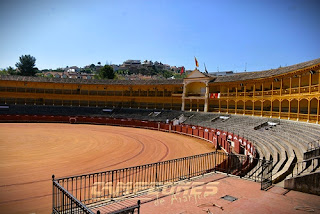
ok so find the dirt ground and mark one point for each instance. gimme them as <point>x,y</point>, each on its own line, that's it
<point>31,152</point>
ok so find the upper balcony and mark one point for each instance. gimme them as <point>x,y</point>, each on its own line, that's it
<point>276,92</point>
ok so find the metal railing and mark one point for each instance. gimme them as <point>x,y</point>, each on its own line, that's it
<point>266,174</point>
<point>313,145</point>
<point>96,188</point>
<point>64,202</point>
<point>305,167</point>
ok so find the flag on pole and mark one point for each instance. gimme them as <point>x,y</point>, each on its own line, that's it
<point>205,68</point>
<point>182,70</point>
<point>196,61</point>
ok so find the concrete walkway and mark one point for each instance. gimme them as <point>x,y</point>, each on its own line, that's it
<point>204,196</point>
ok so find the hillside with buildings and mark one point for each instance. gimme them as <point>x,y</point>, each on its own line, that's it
<point>129,69</point>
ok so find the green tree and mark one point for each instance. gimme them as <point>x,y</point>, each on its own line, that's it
<point>3,72</point>
<point>11,70</point>
<point>180,76</point>
<point>106,72</point>
<point>26,65</point>
<point>92,67</point>
<point>167,74</point>
<point>8,71</point>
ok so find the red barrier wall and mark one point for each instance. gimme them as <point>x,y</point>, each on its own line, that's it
<point>201,132</point>
<point>206,134</point>
<point>185,129</point>
<point>178,128</point>
<point>195,131</point>
<point>189,130</point>
<point>213,135</point>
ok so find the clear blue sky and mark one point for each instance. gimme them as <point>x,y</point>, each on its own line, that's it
<point>226,34</point>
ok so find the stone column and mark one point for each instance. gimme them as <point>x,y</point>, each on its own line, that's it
<point>182,106</point>
<point>206,98</point>
<point>183,97</point>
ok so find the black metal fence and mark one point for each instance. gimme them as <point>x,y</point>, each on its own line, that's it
<point>266,174</point>
<point>95,189</point>
<point>64,202</point>
<point>306,167</point>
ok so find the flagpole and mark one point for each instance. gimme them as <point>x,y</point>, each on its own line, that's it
<point>205,68</point>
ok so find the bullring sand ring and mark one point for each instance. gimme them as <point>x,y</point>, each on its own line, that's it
<point>31,152</point>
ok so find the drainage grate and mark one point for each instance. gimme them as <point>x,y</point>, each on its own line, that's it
<point>229,198</point>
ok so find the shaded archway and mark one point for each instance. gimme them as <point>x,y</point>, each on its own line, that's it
<point>195,89</point>
<point>275,105</point>
<point>313,106</point>
<point>240,106</point>
<point>257,107</point>
<point>267,105</point>
<point>223,104</point>
<point>303,106</point>
<point>313,110</point>
<point>187,105</point>
<point>249,105</point>
<point>285,106</point>
<point>294,106</point>
<point>231,106</point>
<point>213,105</point>
<point>194,104</point>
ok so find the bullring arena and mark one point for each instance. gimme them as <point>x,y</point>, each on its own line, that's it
<point>243,143</point>
<point>36,151</point>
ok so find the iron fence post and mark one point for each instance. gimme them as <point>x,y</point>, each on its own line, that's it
<point>139,203</point>
<point>228,162</point>
<point>156,179</point>
<point>52,193</point>
<point>189,173</point>
<point>112,184</point>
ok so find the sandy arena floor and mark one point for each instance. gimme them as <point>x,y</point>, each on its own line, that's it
<point>31,153</point>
